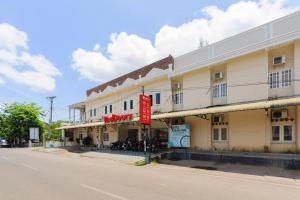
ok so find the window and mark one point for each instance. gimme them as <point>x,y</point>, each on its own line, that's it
<point>110,108</point>
<point>274,80</point>
<point>125,105</point>
<point>157,98</point>
<point>220,134</point>
<point>286,77</point>
<point>216,134</point>
<point>282,133</point>
<point>223,133</point>
<point>220,90</point>
<point>181,98</point>
<point>287,133</point>
<point>223,90</point>
<point>151,99</point>
<point>275,133</point>
<point>216,91</point>
<point>91,113</point>
<point>95,111</point>
<point>105,109</point>
<point>105,137</point>
<point>131,104</point>
<point>178,98</point>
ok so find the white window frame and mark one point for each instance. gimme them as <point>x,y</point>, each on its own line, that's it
<point>220,90</point>
<point>280,79</point>
<point>105,110</point>
<point>131,104</point>
<point>219,127</point>
<point>178,98</point>
<point>110,108</point>
<point>157,98</point>
<point>125,106</point>
<point>286,78</point>
<point>281,132</point>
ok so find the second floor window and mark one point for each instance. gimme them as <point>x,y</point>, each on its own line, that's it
<point>105,110</point>
<point>151,99</point>
<point>157,98</point>
<point>285,80</point>
<point>274,80</point>
<point>91,113</point>
<point>110,108</point>
<point>131,104</point>
<point>178,98</point>
<point>220,90</point>
<point>125,105</point>
<point>95,111</point>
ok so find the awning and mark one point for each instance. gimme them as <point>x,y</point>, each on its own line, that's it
<point>212,110</point>
<point>232,108</point>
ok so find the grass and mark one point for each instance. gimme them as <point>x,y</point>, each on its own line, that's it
<point>140,163</point>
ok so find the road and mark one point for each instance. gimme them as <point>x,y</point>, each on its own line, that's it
<point>29,175</point>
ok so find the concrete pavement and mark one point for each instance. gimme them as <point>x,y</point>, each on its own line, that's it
<point>34,175</point>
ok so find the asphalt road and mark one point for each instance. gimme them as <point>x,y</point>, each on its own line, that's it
<point>31,175</point>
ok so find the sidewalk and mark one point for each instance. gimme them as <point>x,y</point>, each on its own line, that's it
<point>121,156</point>
<point>265,171</point>
<point>127,157</point>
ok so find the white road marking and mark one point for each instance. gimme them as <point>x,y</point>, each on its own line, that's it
<point>4,157</point>
<point>103,192</point>
<point>30,167</point>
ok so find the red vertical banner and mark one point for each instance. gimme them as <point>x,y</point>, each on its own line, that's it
<point>145,109</point>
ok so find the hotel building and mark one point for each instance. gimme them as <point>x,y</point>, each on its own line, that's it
<point>239,94</point>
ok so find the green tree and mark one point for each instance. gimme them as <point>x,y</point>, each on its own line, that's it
<point>55,134</point>
<point>18,118</point>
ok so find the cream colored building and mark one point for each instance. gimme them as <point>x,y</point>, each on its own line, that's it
<point>239,94</point>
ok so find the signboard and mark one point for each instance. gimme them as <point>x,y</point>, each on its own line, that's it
<point>34,134</point>
<point>179,136</point>
<point>145,109</point>
<point>117,118</point>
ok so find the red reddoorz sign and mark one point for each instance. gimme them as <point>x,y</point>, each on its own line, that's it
<point>145,109</point>
<point>116,118</point>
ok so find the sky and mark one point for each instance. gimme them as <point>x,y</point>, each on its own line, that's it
<point>64,47</point>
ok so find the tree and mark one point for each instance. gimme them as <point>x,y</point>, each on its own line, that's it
<point>55,134</point>
<point>18,118</point>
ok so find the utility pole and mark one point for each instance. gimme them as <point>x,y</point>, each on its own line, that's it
<point>51,111</point>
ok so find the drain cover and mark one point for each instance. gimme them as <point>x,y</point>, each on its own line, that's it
<point>204,167</point>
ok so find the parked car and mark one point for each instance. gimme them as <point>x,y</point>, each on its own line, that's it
<point>4,143</point>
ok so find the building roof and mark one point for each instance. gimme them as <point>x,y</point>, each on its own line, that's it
<point>141,72</point>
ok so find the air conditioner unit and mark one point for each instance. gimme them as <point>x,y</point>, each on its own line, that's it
<point>278,60</point>
<point>279,114</point>
<point>218,118</point>
<point>219,76</point>
<point>178,85</point>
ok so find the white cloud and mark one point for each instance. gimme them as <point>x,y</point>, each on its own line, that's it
<point>1,81</point>
<point>18,65</point>
<point>126,52</point>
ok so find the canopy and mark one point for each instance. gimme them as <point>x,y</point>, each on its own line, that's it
<point>212,110</point>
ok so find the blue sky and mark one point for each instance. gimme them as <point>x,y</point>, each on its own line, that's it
<point>68,34</point>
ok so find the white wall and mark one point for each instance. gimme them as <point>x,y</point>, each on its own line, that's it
<point>244,75</point>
